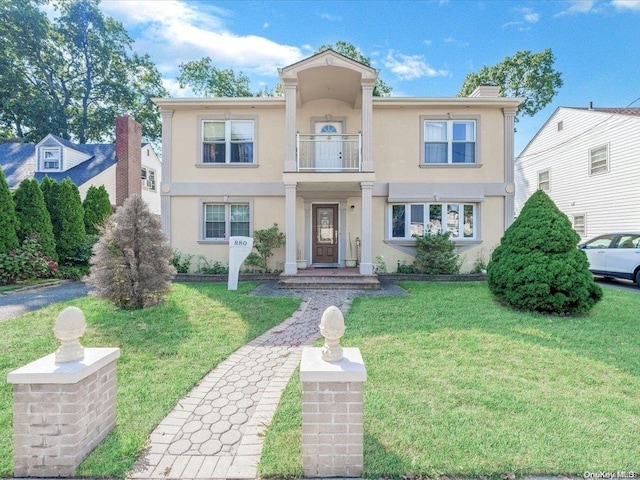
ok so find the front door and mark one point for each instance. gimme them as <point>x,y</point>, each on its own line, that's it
<point>325,238</point>
<point>328,146</point>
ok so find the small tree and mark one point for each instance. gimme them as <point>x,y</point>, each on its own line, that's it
<point>265,241</point>
<point>8,219</point>
<point>537,266</point>
<point>71,217</point>
<point>435,254</point>
<point>33,216</point>
<point>97,207</point>
<point>131,265</point>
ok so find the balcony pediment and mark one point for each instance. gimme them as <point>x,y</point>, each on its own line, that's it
<point>328,75</point>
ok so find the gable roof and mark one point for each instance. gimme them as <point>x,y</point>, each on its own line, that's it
<point>18,161</point>
<point>610,110</point>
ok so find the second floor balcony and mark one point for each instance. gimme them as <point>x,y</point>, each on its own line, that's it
<point>329,153</point>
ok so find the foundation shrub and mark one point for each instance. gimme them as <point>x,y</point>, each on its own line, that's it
<point>435,255</point>
<point>538,267</point>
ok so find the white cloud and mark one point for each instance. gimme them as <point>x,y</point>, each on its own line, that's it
<point>192,31</point>
<point>578,6</point>
<point>626,4</point>
<point>265,25</point>
<point>330,17</point>
<point>456,42</point>
<point>410,67</point>
<point>528,17</point>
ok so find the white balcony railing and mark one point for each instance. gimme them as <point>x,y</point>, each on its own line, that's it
<point>329,153</point>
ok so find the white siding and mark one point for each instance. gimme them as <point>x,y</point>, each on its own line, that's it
<point>610,201</point>
<point>152,161</point>
<point>106,178</point>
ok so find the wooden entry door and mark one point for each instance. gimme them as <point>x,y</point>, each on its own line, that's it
<point>325,233</point>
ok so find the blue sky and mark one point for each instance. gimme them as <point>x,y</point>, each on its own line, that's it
<point>422,48</point>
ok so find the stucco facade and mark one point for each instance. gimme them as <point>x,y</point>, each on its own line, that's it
<point>343,174</point>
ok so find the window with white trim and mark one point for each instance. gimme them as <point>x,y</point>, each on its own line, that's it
<point>580,225</point>
<point>409,219</point>
<point>224,220</point>
<point>544,180</point>
<point>449,141</point>
<point>50,158</point>
<point>227,141</point>
<point>599,160</point>
<point>149,178</point>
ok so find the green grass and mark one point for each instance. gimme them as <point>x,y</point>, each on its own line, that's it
<point>460,386</point>
<point>165,351</point>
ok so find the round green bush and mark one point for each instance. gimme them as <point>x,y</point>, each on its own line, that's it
<point>538,267</point>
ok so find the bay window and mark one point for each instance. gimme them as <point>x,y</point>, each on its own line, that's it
<point>419,219</point>
<point>227,141</point>
<point>449,141</point>
<point>222,220</point>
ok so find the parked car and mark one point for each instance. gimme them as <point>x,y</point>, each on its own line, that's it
<point>614,255</point>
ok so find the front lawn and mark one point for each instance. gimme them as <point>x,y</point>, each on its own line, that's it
<point>165,351</point>
<point>460,386</point>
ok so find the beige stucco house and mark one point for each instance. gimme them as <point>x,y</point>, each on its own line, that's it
<point>343,174</point>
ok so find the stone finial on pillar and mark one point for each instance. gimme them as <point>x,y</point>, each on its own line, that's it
<point>332,328</point>
<point>70,326</point>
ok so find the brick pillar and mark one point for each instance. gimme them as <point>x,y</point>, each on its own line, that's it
<point>62,411</point>
<point>129,161</point>
<point>332,414</point>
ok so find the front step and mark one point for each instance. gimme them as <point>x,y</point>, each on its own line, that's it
<point>328,282</point>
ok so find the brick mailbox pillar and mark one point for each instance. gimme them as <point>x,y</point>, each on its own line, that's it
<point>332,410</point>
<point>62,409</point>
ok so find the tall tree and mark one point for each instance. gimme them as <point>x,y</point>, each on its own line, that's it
<point>97,207</point>
<point>527,75</point>
<point>72,233</point>
<point>209,81</point>
<point>347,49</point>
<point>33,216</point>
<point>8,219</point>
<point>73,75</point>
<point>50,191</point>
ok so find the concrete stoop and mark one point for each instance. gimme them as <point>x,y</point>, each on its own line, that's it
<point>319,282</point>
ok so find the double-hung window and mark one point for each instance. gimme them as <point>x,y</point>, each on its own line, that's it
<point>544,182</point>
<point>599,160</point>
<point>222,220</point>
<point>409,219</point>
<point>449,141</point>
<point>149,178</point>
<point>227,141</point>
<point>50,158</point>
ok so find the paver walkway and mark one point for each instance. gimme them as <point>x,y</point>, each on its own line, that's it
<point>216,431</point>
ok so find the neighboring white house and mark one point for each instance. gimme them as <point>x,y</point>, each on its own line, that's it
<point>588,161</point>
<point>125,167</point>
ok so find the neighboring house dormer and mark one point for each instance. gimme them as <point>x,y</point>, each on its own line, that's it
<point>54,154</point>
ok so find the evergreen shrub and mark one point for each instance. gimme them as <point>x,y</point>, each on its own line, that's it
<point>33,216</point>
<point>435,255</point>
<point>538,267</point>
<point>8,219</point>
<point>131,263</point>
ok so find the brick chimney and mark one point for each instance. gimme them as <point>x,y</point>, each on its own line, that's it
<point>129,161</point>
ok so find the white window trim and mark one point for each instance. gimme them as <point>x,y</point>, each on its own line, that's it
<point>591,150</point>
<point>476,222</point>
<point>226,118</point>
<point>146,181</point>
<point>584,225</point>
<point>227,202</point>
<point>43,150</point>
<point>450,119</point>
<point>548,181</point>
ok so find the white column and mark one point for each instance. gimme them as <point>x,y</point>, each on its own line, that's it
<point>290,266</point>
<point>366,266</point>
<point>290,163</point>
<point>367,128</point>
<point>165,185</point>
<point>509,166</point>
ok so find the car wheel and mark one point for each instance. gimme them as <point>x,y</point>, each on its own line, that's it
<point>638,278</point>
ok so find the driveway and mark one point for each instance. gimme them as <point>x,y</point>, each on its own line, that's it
<point>16,303</point>
<point>627,285</point>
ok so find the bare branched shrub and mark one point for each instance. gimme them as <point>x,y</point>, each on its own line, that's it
<point>131,263</point>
